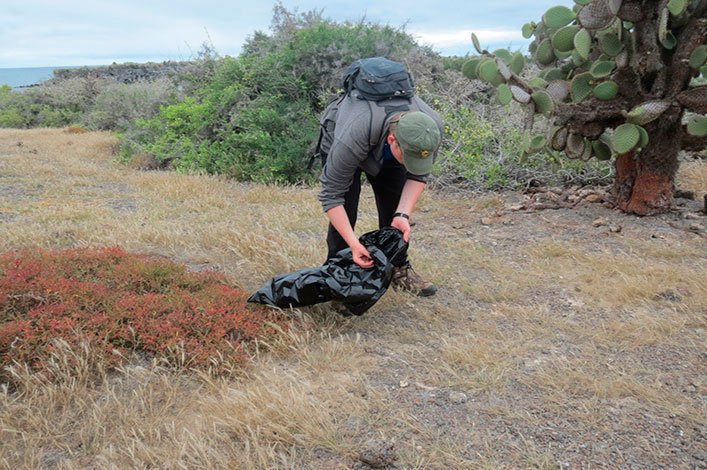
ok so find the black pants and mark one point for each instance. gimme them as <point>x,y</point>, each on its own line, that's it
<point>387,188</point>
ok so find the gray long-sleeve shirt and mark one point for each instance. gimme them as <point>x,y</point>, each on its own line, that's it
<point>359,139</point>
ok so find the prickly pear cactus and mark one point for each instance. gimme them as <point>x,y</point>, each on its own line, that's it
<point>616,77</point>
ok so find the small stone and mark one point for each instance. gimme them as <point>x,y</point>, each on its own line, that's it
<point>378,454</point>
<point>458,398</point>
<point>600,222</point>
<point>615,228</point>
<point>487,221</point>
<point>593,198</point>
<point>697,228</point>
<point>516,207</point>
<point>404,383</point>
<point>670,296</point>
<point>457,225</point>
<point>684,194</point>
<point>691,216</point>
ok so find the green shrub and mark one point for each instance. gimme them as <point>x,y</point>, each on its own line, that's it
<point>118,104</point>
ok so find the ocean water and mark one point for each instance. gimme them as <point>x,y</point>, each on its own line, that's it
<point>26,76</point>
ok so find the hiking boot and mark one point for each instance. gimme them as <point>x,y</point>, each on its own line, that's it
<point>341,308</point>
<point>405,278</point>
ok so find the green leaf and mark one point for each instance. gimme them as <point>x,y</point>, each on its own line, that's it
<point>528,30</point>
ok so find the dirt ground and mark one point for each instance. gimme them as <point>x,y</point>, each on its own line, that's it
<point>565,384</point>
<point>564,334</point>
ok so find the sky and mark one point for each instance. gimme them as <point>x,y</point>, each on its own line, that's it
<point>50,33</point>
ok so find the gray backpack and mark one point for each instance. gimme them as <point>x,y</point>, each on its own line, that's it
<point>375,79</point>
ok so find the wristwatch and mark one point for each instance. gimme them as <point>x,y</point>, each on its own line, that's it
<point>401,214</point>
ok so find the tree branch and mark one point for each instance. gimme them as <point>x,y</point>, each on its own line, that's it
<point>693,34</point>
<point>589,111</point>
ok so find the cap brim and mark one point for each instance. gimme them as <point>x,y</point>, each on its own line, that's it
<point>416,163</point>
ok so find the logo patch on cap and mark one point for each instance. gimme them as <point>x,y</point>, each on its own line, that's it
<point>425,153</point>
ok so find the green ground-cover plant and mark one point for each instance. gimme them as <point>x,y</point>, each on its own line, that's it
<point>117,303</point>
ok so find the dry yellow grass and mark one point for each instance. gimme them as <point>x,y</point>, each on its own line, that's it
<point>549,344</point>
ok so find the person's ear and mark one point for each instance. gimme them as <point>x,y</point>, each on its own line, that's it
<point>391,139</point>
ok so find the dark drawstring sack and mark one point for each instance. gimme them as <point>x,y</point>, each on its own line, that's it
<point>340,278</point>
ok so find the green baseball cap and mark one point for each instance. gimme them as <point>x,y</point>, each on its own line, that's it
<point>418,136</point>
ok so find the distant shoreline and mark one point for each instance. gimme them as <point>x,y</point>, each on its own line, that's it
<point>27,77</point>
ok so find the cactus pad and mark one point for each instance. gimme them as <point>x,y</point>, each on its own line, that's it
<point>557,17</point>
<point>581,86</point>
<point>504,54</point>
<point>606,90</point>
<point>537,142</point>
<point>698,57</point>
<point>583,43</point>
<point>519,94</point>
<point>558,90</point>
<point>677,7</point>
<point>537,82</point>
<point>602,68</point>
<point>553,74</point>
<point>475,42</point>
<point>563,39</point>
<point>543,102</point>
<point>575,146</point>
<point>643,139</point>
<point>601,150</point>
<point>488,72</point>
<point>663,24</point>
<point>528,30</point>
<point>647,112</point>
<point>610,44</point>
<point>469,68</point>
<point>545,55</point>
<point>517,63</point>
<point>559,139</point>
<point>697,126</point>
<point>596,15</point>
<point>625,138</point>
<point>504,94</point>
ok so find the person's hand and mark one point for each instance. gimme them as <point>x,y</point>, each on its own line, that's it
<point>361,256</point>
<point>402,224</point>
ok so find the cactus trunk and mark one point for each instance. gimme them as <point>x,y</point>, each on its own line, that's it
<point>644,182</point>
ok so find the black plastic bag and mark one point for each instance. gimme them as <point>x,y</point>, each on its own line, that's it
<point>340,278</point>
